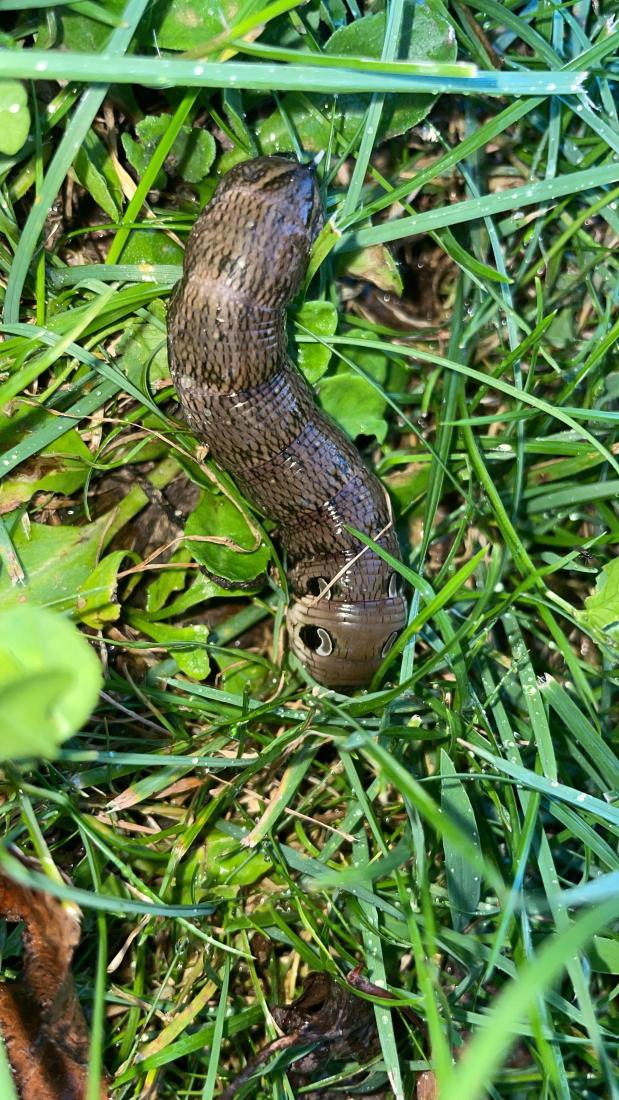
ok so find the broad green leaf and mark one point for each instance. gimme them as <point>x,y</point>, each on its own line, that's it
<point>190,157</point>
<point>151,246</point>
<point>199,591</point>
<point>57,561</point>
<point>96,602</point>
<point>187,644</point>
<point>14,116</point>
<point>139,154</point>
<point>561,334</point>
<point>604,955</point>
<point>241,673</point>
<point>181,24</point>
<point>410,483</point>
<point>321,319</point>
<point>166,583</point>
<point>355,404</point>
<point>428,36</point>
<point>375,363</point>
<point>217,517</point>
<point>62,467</point>
<point>50,679</point>
<point>213,864</point>
<point>142,351</point>
<point>463,883</point>
<point>85,33</point>
<point>194,155</point>
<point>94,170</point>
<point>601,611</point>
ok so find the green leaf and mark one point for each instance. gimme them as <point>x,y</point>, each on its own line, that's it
<point>199,591</point>
<point>187,644</point>
<point>601,610</point>
<point>232,103</point>
<point>94,170</point>
<point>166,583</point>
<point>486,205</point>
<point>561,332</point>
<point>321,320</point>
<point>195,151</point>
<point>355,404</point>
<point>222,865</point>
<point>409,484</point>
<point>604,955</point>
<point>57,561</point>
<point>151,246</point>
<point>181,24</point>
<point>96,602</point>
<point>463,884</point>
<point>139,155</point>
<point>241,673</point>
<point>84,32</point>
<point>14,116</point>
<point>142,351</point>
<point>62,467</point>
<point>552,789</point>
<point>375,363</point>
<point>218,517</point>
<point>190,157</point>
<point>210,1083</point>
<point>428,35</point>
<point>49,682</point>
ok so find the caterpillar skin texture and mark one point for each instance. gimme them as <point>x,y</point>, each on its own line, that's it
<point>246,258</point>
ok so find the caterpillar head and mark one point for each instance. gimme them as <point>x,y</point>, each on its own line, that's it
<point>271,212</point>
<point>343,644</point>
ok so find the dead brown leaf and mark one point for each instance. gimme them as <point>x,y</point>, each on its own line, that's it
<point>40,1016</point>
<point>327,1016</point>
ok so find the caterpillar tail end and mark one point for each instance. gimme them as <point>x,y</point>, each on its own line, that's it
<point>343,644</point>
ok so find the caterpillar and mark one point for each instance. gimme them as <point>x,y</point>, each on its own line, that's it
<point>245,260</point>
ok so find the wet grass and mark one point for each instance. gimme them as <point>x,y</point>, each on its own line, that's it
<point>226,826</point>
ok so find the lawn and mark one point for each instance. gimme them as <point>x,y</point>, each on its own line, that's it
<point>229,829</point>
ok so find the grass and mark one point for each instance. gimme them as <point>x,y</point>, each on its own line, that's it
<point>225,826</point>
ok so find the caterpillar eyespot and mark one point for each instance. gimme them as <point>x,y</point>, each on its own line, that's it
<point>317,639</point>
<point>396,585</point>
<point>245,260</point>
<point>317,585</point>
<point>389,644</point>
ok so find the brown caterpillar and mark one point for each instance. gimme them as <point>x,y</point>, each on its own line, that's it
<point>245,260</point>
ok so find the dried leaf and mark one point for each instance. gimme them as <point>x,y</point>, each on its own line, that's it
<point>40,1016</point>
<point>344,1023</point>
<point>376,265</point>
<point>328,1017</point>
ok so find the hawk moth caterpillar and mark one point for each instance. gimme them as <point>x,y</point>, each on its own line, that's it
<point>245,260</point>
